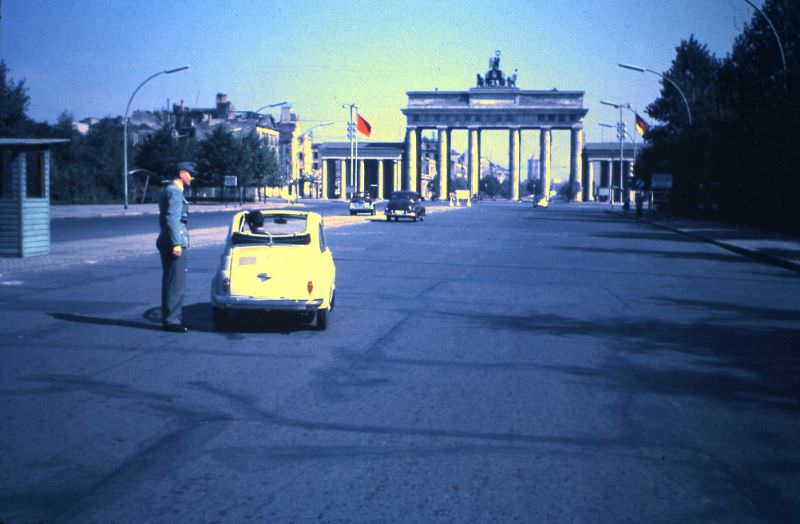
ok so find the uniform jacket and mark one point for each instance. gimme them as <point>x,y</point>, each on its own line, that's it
<point>173,214</point>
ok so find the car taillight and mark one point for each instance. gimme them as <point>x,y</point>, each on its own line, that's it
<point>310,287</point>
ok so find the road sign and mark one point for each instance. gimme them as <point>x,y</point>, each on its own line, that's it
<point>661,181</point>
<point>231,181</point>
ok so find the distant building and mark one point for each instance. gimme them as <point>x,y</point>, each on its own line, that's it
<point>533,168</point>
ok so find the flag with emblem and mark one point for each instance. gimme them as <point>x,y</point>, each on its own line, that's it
<point>363,126</point>
<point>641,126</point>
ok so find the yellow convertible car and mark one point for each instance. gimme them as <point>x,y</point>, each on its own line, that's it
<point>275,260</point>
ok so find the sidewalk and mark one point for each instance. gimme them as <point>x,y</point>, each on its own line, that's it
<point>762,246</point>
<point>112,210</point>
<point>93,251</point>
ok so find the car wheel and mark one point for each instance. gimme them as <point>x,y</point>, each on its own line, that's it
<point>373,212</point>
<point>352,213</point>
<point>388,218</point>
<point>221,319</point>
<point>421,218</point>
<point>322,319</point>
<point>415,218</point>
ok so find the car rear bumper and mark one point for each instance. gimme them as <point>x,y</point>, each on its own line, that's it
<point>400,213</point>
<point>265,304</point>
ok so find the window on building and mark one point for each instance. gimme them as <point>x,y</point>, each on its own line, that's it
<point>34,174</point>
<point>5,174</point>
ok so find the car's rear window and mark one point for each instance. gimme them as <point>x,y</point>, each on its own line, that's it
<point>403,195</point>
<point>276,229</point>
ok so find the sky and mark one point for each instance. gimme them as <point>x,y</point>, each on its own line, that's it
<point>86,57</point>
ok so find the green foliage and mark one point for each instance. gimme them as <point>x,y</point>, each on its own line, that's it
<point>14,101</point>
<point>745,110</point>
<point>219,156</point>
<point>260,163</point>
<point>490,185</point>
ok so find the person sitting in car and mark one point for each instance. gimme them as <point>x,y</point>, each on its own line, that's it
<point>255,221</point>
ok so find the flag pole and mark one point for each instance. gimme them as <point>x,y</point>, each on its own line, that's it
<point>352,131</point>
<point>358,165</point>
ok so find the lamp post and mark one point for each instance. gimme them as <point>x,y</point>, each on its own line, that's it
<point>664,77</point>
<point>352,136</point>
<point>270,105</point>
<point>777,38</point>
<point>125,126</point>
<point>309,134</point>
<point>621,136</point>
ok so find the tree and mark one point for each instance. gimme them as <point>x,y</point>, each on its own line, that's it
<point>272,175</point>
<point>158,153</point>
<point>219,156</point>
<point>490,185</point>
<point>759,110</point>
<point>14,101</point>
<point>676,146</point>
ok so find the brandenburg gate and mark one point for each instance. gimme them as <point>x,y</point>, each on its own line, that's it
<point>494,104</point>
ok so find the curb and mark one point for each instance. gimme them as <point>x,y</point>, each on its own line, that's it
<point>739,250</point>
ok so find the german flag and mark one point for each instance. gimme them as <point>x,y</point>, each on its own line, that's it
<point>642,127</point>
<point>363,126</point>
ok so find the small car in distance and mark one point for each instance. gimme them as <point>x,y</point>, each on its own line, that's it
<point>404,204</point>
<point>275,261</point>
<point>361,203</point>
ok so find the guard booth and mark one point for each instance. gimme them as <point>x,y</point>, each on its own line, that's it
<point>25,196</point>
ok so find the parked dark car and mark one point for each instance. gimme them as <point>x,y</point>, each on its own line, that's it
<point>405,204</point>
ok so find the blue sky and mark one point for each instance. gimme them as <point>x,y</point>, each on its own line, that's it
<point>87,56</point>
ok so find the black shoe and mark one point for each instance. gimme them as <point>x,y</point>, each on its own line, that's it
<point>175,328</point>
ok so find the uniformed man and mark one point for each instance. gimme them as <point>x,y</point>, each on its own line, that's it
<point>172,244</point>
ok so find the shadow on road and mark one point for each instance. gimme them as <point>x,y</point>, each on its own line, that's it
<point>104,321</point>
<point>198,317</point>
<point>715,257</point>
<point>732,359</point>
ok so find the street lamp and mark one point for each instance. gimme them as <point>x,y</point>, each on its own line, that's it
<point>125,126</point>
<point>353,137</point>
<point>777,38</point>
<point>308,133</point>
<point>621,136</point>
<point>664,77</point>
<point>602,124</point>
<point>270,105</point>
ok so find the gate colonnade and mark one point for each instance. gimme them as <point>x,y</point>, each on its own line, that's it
<point>494,108</point>
<point>601,171</point>
<point>378,170</point>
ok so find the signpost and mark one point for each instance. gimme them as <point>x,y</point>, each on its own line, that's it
<point>230,181</point>
<point>661,185</point>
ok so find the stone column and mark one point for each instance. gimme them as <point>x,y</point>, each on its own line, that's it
<point>380,178</point>
<point>443,162</point>
<point>324,180</point>
<point>588,189</point>
<point>342,179</point>
<point>576,164</point>
<point>474,162</point>
<point>412,136</point>
<point>610,167</point>
<point>361,175</point>
<point>397,181</point>
<point>544,160</point>
<point>513,161</point>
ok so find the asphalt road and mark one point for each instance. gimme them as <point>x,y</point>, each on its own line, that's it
<point>89,228</point>
<point>491,364</point>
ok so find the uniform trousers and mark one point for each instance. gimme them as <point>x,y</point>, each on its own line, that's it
<point>173,286</point>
